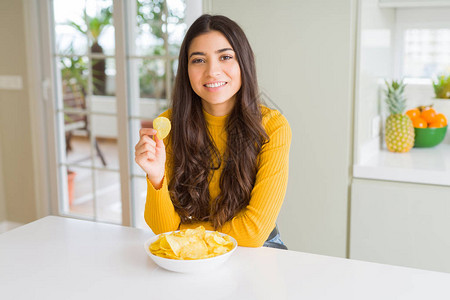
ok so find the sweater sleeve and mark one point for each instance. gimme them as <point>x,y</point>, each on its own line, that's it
<point>159,212</point>
<point>251,226</point>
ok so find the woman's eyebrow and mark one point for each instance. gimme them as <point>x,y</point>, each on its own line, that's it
<point>197,53</point>
<point>217,51</point>
<point>223,50</point>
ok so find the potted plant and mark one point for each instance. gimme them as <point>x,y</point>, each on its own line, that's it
<point>441,102</point>
<point>93,26</point>
<point>442,87</point>
<point>70,185</point>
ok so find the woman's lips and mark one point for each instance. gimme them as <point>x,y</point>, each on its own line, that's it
<point>212,86</point>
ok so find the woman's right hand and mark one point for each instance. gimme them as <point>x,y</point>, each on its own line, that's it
<point>150,155</point>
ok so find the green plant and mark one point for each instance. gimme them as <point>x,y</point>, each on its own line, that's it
<point>152,14</point>
<point>442,87</point>
<point>73,69</point>
<point>93,27</point>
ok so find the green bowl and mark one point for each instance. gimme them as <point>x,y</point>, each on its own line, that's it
<point>429,137</point>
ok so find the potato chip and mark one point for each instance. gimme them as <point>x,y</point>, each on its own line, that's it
<point>155,246</point>
<point>195,250</point>
<point>188,244</point>
<point>162,126</point>
<point>164,244</point>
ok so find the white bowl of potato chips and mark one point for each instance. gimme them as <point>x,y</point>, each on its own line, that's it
<point>190,250</point>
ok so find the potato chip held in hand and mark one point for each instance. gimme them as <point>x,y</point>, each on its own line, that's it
<point>190,244</point>
<point>162,126</point>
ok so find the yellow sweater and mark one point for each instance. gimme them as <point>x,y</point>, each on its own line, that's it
<point>253,224</point>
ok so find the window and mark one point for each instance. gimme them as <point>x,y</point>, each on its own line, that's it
<point>423,42</point>
<point>426,52</point>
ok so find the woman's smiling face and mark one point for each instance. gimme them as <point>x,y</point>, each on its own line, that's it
<point>214,72</point>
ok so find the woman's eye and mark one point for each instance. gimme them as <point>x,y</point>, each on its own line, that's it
<point>197,60</point>
<point>227,57</point>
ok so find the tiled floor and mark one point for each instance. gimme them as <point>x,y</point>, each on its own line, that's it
<point>105,183</point>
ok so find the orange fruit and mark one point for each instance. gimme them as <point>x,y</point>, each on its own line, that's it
<point>428,115</point>
<point>418,122</point>
<point>436,125</point>
<point>440,118</point>
<point>412,113</point>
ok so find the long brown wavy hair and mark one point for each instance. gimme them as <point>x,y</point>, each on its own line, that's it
<point>195,156</point>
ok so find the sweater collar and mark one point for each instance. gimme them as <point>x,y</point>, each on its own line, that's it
<point>215,121</point>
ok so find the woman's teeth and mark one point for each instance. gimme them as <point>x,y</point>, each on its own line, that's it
<point>213,85</point>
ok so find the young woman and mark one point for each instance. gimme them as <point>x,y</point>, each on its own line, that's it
<point>224,165</point>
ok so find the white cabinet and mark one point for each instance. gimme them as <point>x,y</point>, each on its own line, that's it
<point>401,224</point>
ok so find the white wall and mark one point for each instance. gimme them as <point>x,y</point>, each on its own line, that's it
<point>15,125</point>
<point>375,63</point>
<point>305,64</point>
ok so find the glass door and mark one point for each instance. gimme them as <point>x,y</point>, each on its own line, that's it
<point>113,67</point>
<point>152,62</point>
<point>86,109</point>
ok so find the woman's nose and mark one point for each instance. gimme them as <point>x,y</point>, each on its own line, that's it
<point>214,69</point>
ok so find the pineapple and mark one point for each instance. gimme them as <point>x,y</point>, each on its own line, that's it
<point>399,135</point>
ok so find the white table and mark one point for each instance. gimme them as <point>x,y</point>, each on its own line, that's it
<point>61,258</point>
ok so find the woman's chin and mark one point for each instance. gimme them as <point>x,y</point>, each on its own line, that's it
<point>218,107</point>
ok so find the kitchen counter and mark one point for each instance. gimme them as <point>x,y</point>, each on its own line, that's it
<point>61,258</point>
<point>420,165</point>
